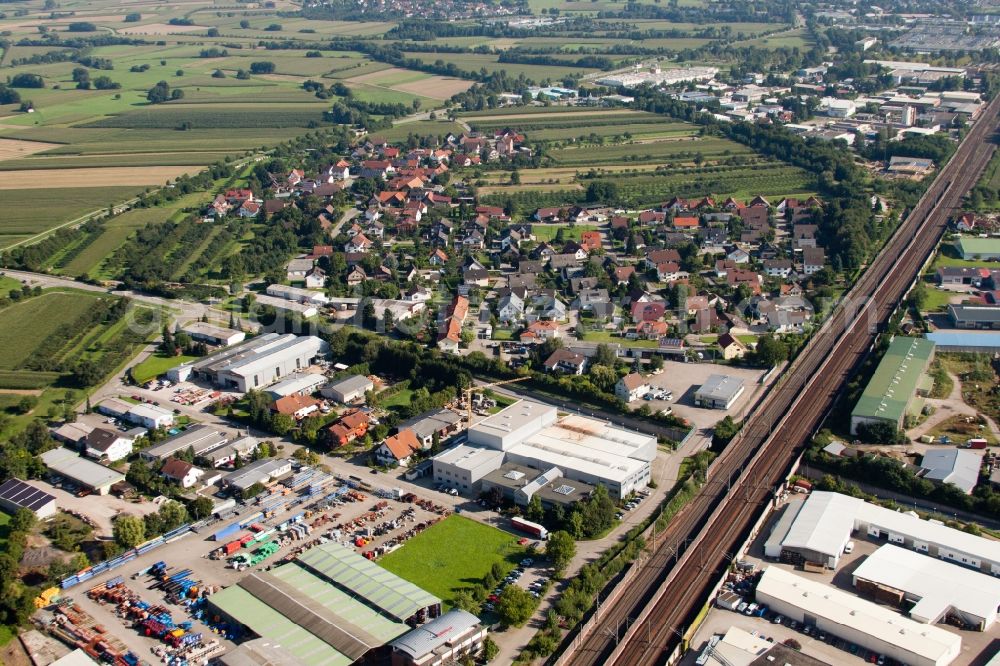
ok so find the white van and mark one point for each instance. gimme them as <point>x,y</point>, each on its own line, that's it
<point>849,548</point>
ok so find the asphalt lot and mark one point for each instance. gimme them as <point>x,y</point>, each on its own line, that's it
<point>684,379</point>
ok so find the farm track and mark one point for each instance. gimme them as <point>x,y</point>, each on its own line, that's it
<point>646,624</point>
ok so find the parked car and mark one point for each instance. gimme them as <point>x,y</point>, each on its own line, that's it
<point>778,619</point>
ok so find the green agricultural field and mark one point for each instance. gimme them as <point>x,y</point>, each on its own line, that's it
<point>214,117</point>
<point>646,152</point>
<point>24,325</point>
<point>116,231</point>
<point>476,61</point>
<point>453,554</point>
<point>30,212</point>
<point>433,128</point>
<point>156,365</point>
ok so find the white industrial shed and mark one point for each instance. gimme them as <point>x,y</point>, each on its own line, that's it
<point>512,425</point>
<point>853,619</point>
<point>817,532</point>
<point>824,525</point>
<point>936,588</point>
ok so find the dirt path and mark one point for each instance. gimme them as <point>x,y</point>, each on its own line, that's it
<point>945,408</point>
<point>20,391</point>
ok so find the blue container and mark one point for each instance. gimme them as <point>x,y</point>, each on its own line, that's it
<point>227,531</point>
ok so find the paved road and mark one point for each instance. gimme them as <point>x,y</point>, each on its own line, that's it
<point>184,311</point>
<point>348,215</point>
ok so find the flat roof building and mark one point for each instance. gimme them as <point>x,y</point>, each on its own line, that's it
<point>530,434</point>
<point>519,484</point>
<point>304,310</point>
<point>81,471</point>
<point>297,294</point>
<point>856,620</point>
<point>719,392</point>
<point>890,393</point>
<point>214,335</point>
<point>16,494</point>
<point>936,589</point>
<point>463,467</point>
<point>512,425</point>
<point>200,438</point>
<point>260,361</point>
<point>823,525</point>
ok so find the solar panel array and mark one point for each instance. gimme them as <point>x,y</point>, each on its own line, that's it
<point>20,494</point>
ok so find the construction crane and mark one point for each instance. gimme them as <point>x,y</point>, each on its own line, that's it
<point>467,393</point>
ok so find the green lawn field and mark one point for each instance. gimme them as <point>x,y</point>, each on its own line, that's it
<point>453,554</point>
<point>156,365</point>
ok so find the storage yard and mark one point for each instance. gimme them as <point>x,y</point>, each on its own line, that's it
<point>163,590</point>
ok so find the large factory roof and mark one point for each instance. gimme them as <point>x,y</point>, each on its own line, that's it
<point>895,380</point>
<point>396,597</point>
<point>861,616</point>
<point>939,585</point>
<point>823,522</point>
<point>522,413</point>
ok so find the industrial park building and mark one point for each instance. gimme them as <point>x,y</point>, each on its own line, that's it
<point>719,392</point>
<point>254,364</point>
<point>817,530</point>
<point>444,640</point>
<point>900,375</point>
<point>83,472</point>
<point>575,448</point>
<point>214,335</point>
<point>856,620</point>
<point>328,606</point>
<point>934,589</point>
<point>200,438</point>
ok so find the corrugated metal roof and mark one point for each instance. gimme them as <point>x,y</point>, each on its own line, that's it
<point>434,634</point>
<point>398,598</point>
<point>895,380</point>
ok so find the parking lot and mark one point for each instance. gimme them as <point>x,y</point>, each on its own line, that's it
<point>682,380</point>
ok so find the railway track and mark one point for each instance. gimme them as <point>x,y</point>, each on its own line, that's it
<point>645,625</point>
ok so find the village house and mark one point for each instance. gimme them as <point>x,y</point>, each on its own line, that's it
<point>631,387</point>
<point>181,472</point>
<point>398,449</point>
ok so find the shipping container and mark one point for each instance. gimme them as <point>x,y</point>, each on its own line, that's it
<point>530,527</point>
<point>226,531</point>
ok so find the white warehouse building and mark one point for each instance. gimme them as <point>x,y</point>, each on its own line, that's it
<point>257,363</point>
<point>856,620</point>
<point>818,529</point>
<point>531,434</point>
<point>935,588</point>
